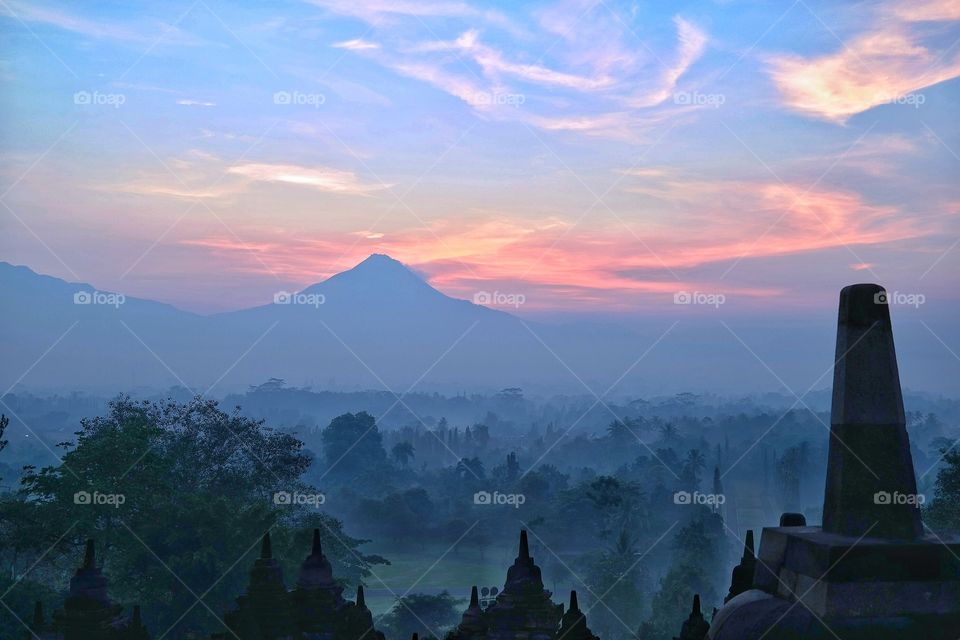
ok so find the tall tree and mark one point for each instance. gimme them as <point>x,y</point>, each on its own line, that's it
<point>352,444</point>
<point>177,497</point>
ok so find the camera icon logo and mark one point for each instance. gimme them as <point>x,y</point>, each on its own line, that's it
<point>482,497</point>
<point>282,297</point>
<point>682,497</point>
<point>682,297</point>
<point>282,497</point>
<point>82,97</point>
<point>881,497</point>
<point>82,297</point>
<point>880,297</point>
<point>281,97</point>
<point>82,497</point>
<point>482,297</point>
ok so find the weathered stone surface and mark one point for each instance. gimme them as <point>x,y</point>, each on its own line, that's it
<point>869,572</point>
<point>755,614</point>
<point>741,578</point>
<point>695,627</point>
<point>523,609</point>
<point>869,448</point>
<point>88,612</point>
<point>573,625</point>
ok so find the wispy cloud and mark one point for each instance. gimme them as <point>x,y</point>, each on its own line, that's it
<point>320,178</point>
<point>714,223</point>
<point>356,45</point>
<point>880,66</point>
<point>494,64</point>
<point>599,97</point>
<point>691,44</point>
<point>377,12</point>
<point>150,34</point>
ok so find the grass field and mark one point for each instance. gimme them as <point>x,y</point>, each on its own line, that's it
<point>433,569</point>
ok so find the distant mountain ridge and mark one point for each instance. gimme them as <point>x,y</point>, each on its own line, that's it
<point>380,325</point>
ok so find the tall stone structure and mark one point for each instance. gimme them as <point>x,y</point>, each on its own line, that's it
<point>695,627</point>
<point>869,572</point>
<point>473,625</point>
<point>318,598</point>
<point>741,578</point>
<point>314,610</point>
<point>88,612</point>
<point>573,624</point>
<point>869,447</point>
<point>264,612</point>
<point>523,609</point>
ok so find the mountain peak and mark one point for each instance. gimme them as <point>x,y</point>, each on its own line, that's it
<point>378,275</point>
<point>381,261</point>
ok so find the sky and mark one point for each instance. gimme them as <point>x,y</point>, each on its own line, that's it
<point>596,158</point>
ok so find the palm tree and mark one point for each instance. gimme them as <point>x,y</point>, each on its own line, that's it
<point>669,433</point>
<point>692,466</point>
<point>470,467</point>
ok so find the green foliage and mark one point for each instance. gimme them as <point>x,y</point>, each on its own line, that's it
<point>431,616</point>
<point>352,445</point>
<point>698,556</point>
<point>403,453</point>
<point>943,513</point>
<point>616,577</point>
<point>177,497</point>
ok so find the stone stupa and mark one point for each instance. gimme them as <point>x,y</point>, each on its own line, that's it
<point>523,608</point>
<point>870,572</point>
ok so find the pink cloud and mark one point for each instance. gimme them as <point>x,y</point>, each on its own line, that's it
<point>716,222</point>
<point>883,65</point>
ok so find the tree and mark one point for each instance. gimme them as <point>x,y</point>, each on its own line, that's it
<point>403,453</point>
<point>621,504</point>
<point>352,444</point>
<point>694,463</point>
<point>943,512</point>
<point>616,575</point>
<point>695,568</point>
<point>468,468</point>
<point>669,433</point>
<point>430,616</point>
<point>172,492</point>
<point>623,432</point>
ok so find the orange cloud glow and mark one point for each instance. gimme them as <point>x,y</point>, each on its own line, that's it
<point>710,223</point>
<point>884,65</point>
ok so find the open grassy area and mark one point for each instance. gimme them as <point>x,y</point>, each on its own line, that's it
<point>433,569</point>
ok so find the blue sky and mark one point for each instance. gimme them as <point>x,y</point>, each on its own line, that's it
<point>596,157</point>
